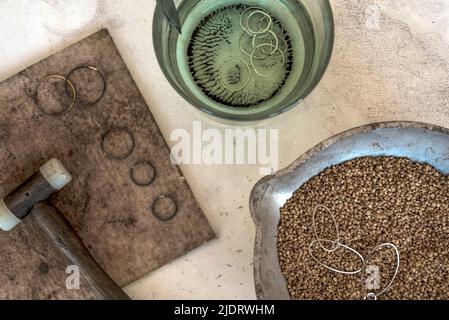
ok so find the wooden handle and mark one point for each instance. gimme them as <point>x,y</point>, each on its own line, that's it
<point>56,227</point>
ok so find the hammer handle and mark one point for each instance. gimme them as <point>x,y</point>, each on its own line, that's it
<point>56,227</point>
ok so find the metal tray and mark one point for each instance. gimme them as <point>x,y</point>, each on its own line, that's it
<point>416,141</point>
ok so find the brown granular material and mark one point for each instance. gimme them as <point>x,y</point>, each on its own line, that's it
<point>374,201</point>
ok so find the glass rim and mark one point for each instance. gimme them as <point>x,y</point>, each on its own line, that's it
<point>160,23</point>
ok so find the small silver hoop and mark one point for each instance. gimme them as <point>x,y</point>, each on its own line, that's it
<point>247,69</point>
<point>270,22</point>
<point>251,58</point>
<point>243,14</point>
<point>275,38</point>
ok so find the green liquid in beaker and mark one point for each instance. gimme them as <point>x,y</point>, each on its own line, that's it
<point>239,56</point>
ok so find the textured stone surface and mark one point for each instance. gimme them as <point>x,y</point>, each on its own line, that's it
<point>112,215</point>
<point>32,268</point>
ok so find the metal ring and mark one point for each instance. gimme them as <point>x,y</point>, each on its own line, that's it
<point>337,241</point>
<point>109,154</point>
<point>251,58</point>
<point>135,180</point>
<point>271,44</point>
<point>241,45</point>
<point>169,217</point>
<point>70,84</point>
<point>243,14</point>
<point>261,30</point>
<point>91,103</point>
<point>247,69</point>
<point>340,245</point>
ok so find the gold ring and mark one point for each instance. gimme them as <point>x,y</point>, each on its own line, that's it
<point>72,87</point>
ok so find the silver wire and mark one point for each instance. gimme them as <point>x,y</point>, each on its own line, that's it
<point>265,43</point>
<point>270,22</point>
<point>243,14</point>
<point>337,232</point>
<point>338,246</point>
<point>251,58</point>
<point>244,84</point>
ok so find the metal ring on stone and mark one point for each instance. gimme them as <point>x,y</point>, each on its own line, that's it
<point>103,77</point>
<point>136,180</point>
<point>109,154</point>
<point>68,82</point>
<point>172,215</point>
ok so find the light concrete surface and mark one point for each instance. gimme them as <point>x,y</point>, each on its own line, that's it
<point>390,62</point>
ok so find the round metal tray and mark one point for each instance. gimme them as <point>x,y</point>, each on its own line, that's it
<point>416,141</point>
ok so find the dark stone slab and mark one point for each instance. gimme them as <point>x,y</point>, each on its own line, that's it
<point>111,213</point>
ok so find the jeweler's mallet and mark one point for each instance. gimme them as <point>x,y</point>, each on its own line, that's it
<point>28,199</point>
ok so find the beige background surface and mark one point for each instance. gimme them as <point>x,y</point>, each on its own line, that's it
<point>390,62</point>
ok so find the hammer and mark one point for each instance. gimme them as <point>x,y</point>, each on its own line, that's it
<point>28,199</point>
